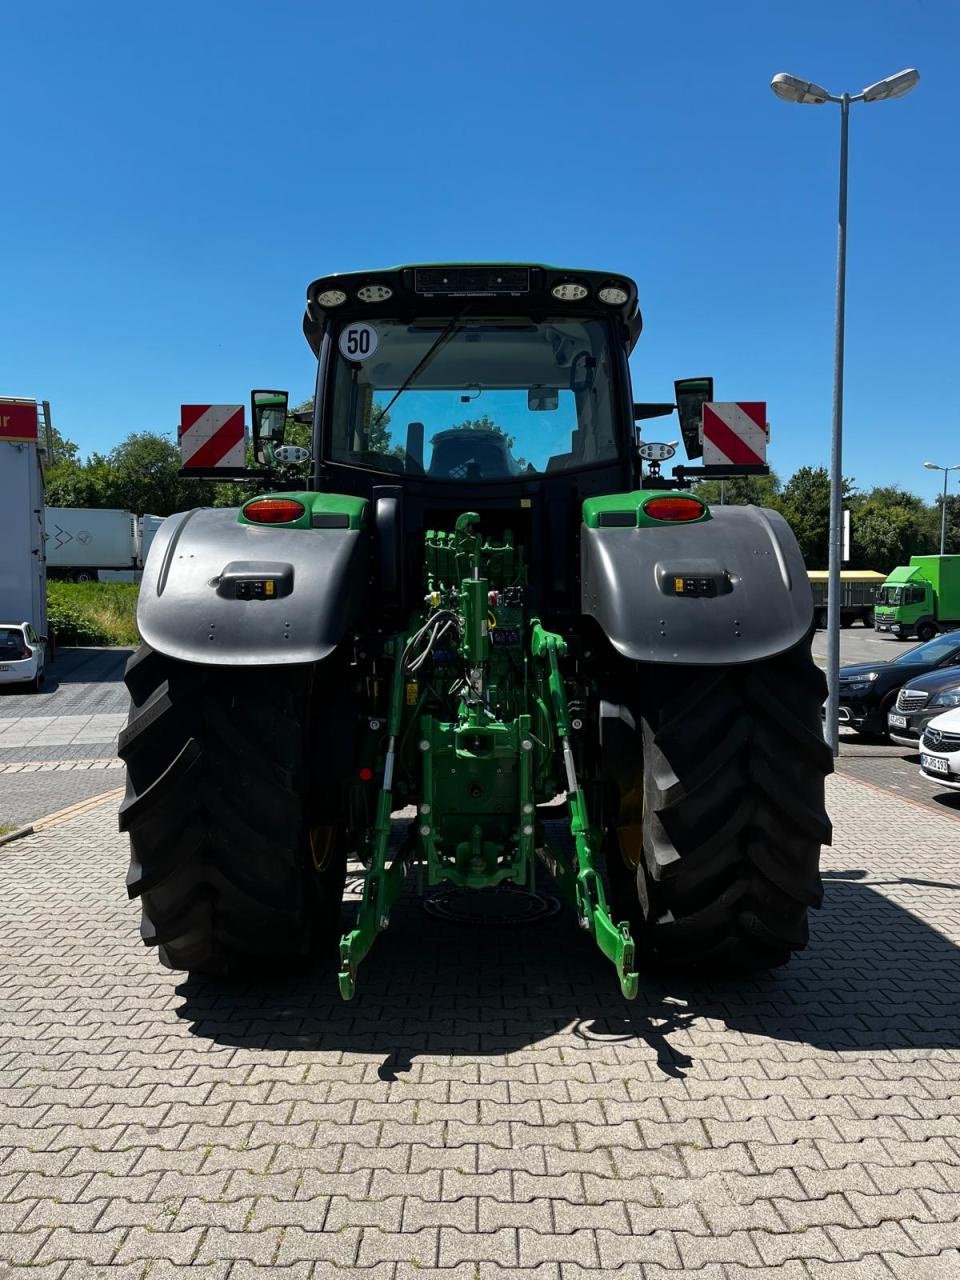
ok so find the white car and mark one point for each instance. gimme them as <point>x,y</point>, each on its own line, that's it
<point>22,655</point>
<point>940,750</point>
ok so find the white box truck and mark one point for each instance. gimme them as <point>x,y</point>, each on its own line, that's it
<point>83,540</point>
<point>23,592</point>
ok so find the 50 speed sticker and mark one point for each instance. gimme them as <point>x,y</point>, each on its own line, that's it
<point>358,341</point>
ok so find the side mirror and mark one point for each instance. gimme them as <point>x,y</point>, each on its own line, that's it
<point>269,414</point>
<point>692,395</point>
<point>540,399</point>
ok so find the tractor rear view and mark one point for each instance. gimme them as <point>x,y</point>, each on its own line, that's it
<point>475,592</point>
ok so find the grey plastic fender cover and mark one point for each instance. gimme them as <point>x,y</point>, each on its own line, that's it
<point>745,594</point>
<point>188,606</point>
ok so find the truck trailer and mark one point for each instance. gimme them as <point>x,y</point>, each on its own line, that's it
<point>23,595</point>
<point>83,540</point>
<point>858,595</point>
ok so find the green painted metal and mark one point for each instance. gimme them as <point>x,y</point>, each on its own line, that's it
<point>587,896</point>
<point>477,775</point>
<point>632,504</point>
<point>319,505</point>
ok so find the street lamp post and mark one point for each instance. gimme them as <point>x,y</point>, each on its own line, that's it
<point>932,466</point>
<point>790,89</point>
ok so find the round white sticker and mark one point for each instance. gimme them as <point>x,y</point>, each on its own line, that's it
<point>358,341</point>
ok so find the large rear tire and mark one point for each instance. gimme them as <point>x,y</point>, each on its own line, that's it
<point>721,846</point>
<point>231,807</point>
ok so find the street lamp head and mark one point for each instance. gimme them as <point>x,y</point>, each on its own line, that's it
<point>790,89</point>
<point>932,466</point>
<point>893,87</point>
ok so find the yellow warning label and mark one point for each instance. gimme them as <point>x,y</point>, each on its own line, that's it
<point>269,587</point>
<point>526,502</point>
<point>413,690</point>
<point>678,586</point>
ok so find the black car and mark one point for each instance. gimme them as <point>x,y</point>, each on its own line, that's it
<point>921,700</point>
<point>868,691</point>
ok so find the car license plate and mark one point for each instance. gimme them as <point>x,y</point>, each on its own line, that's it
<point>896,722</point>
<point>933,765</point>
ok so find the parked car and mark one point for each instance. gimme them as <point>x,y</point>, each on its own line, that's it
<point>940,750</point>
<point>920,701</point>
<point>869,689</point>
<point>22,655</point>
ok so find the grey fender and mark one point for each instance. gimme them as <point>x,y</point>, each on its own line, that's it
<point>199,567</point>
<point>749,594</point>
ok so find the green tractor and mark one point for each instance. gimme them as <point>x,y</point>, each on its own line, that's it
<point>486,596</point>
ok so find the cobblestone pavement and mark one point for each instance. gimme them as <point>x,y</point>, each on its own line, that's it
<point>895,769</point>
<point>32,792</point>
<point>56,745</point>
<point>489,1105</point>
<point>80,682</point>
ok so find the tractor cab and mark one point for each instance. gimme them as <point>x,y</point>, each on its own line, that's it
<point>471,375</point>
<point>505,388</point>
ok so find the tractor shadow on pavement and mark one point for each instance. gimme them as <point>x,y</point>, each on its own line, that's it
<point>875,977</point>
<point>101,666</point>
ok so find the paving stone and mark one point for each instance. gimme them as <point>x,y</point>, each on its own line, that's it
<point>505,1116</point>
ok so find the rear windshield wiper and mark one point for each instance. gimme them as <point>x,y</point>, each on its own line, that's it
<point>445,334</point>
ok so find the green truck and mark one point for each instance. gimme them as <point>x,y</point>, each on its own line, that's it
<point>920,598</point>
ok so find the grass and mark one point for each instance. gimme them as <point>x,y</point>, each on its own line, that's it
<point>96,613</point>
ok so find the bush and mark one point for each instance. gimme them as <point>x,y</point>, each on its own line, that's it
<point>93,613</point>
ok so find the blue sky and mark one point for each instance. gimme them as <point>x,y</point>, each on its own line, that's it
<point>176,174</point>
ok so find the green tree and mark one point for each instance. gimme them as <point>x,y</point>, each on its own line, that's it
<point>952,540</point>
<point>144,477</point>
<point>883,536</point>
<point>888,525</point>
<point>760,491</point>
<point>77,484</point>
<point>69,482</point>
<point>61,449</point>
<point>805,504</point>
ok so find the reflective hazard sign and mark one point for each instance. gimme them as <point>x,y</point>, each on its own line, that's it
<point>735,432</point>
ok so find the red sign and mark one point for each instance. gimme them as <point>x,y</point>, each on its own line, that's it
<point>735,433</point>
<point>212,435</point>
<point>18,419</point>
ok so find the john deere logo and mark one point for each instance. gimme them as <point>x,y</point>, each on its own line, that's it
<point>933,737</point>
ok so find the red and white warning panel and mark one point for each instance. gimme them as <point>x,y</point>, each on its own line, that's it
<point>212,435</point>
<point>735,433</point>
